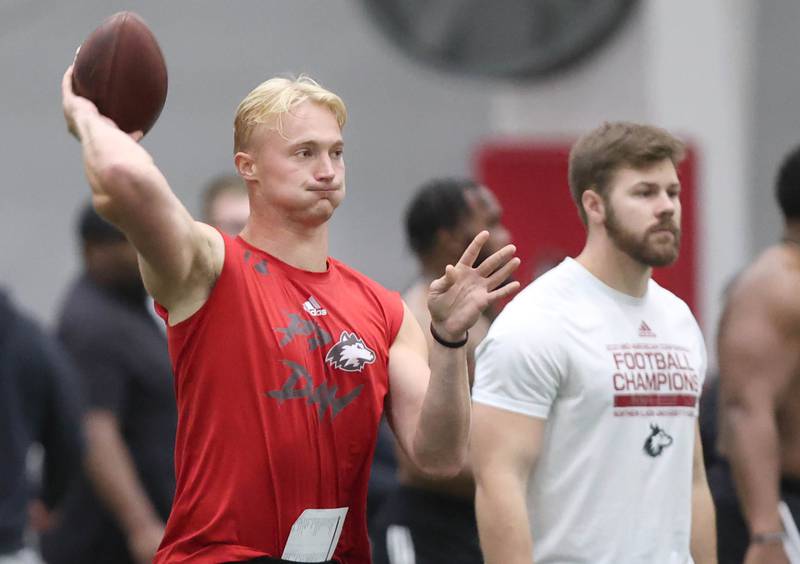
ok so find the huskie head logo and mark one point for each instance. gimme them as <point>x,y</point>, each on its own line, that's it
<point>657,441</point>
<point>350,353</point>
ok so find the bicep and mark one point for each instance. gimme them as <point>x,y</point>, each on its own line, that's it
<point>409,374</point>
<point>504,443</point>
<point>175,252</point>
<point>180,272</point>
<point>755,356</point>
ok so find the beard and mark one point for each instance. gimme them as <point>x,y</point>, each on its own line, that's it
<point>645,248</point>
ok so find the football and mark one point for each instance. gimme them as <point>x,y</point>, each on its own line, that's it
<point>121,69</point>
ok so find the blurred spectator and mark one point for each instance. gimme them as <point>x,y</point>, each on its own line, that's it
<point>117,511</point>
<point>226,204</point>
<point>759,358</point>
<point>425,520</point>
<point>38,404</point>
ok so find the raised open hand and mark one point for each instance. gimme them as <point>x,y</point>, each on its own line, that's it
<point>457,299</point>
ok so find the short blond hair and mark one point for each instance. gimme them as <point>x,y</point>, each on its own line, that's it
<point>275,97</point>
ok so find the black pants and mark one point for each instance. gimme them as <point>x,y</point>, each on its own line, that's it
<point>733,536</point>
<point>426,528</point>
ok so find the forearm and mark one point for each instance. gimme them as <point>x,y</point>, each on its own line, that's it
<point>704,533</point>
<point>503,525</point>
<point>132,193</point>
<point>440,441</point>
<point>120,172</point>
<point>128,189</point>
<point>114,478</point>
<point>755,460</point>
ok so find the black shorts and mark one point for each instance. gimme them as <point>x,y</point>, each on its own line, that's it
<point>423,527</point>
<point>733,536</point>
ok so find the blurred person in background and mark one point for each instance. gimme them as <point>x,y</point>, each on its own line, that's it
<point>585,443</point>
<point>428,520</point>
<point>759,360</point>
<point>116,513</point>
<point>39,403</point>
<point>226,204</point>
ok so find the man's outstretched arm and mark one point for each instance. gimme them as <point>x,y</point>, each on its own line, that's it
<point>179,258</point>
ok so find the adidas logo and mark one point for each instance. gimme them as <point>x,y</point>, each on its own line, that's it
<point>645,331</point>
<point>313,307</point>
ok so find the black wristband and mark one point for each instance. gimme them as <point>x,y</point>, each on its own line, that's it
<point>773,537</point>
<point>449,344</point>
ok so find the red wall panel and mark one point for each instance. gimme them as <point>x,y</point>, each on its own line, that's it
<point>530,180</point>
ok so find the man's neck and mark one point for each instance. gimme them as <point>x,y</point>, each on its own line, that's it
<point>615,268</point>
<point>298,246</point>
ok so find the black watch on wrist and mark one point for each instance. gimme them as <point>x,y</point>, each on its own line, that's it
<point>449,344</point>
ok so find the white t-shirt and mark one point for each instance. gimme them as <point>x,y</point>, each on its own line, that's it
<point>618,380</point>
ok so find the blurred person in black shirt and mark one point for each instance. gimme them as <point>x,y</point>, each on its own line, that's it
<point>38,404</point>
<point>117,511</point>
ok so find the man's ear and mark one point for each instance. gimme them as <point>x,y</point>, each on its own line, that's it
<point>594,206</point>
<point>246,165</point>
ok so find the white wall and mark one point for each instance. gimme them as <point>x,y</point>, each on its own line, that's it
<point>701,83</point>
<point>609,85</point>
<point>776,104</point>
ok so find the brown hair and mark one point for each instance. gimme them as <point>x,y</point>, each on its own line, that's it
<point>597,155</point>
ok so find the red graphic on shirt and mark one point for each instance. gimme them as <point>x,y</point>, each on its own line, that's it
<point>653,379</point>
<point>653,400</point>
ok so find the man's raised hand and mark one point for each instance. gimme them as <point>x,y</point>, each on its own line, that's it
<point>457,299</point>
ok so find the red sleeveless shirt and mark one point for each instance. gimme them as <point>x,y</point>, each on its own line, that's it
<point>280,380</point>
